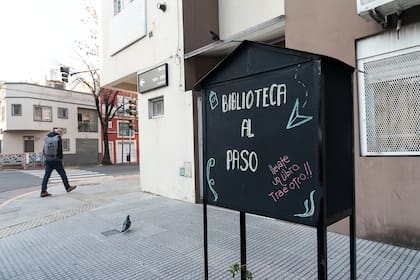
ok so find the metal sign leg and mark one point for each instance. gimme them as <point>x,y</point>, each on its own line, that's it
<point>206,259</point>
<point>322,251</point>
<point>243,245</point>
<point>353,246</point>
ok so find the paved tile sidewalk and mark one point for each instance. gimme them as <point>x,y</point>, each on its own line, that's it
<point>165,242</point>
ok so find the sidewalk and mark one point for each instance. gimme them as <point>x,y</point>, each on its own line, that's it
<point>75,236</point>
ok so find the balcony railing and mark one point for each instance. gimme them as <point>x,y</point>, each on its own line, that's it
<point>87,127</point>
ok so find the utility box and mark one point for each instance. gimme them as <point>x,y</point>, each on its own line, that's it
<point>278,134</point>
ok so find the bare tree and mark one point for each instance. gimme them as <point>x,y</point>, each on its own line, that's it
<point>89,78</point>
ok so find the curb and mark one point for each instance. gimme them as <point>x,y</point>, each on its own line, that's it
<point>7,202</point>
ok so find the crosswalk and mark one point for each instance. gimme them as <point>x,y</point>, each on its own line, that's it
<point>72,174</point>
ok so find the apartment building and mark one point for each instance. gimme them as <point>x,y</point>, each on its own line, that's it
<point>29,111</point>
<point>162,48</point>
<point>123,130</point>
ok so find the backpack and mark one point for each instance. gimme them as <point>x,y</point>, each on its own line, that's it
<point>51,147</point>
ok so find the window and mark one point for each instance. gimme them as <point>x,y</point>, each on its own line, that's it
<point>62,113</point>
<point>0,147</point>
<point>122,103</point>
<point>42,113</point>
<point>16,109</point>
<point>66,144</point>
<point>156,108</point>
<point>87,120</point>
<point>124,129</point>
<point>119,5</point>
<point>29,144</point>
<point>390,104</point>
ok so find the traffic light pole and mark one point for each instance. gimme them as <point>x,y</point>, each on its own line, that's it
<point>122,134</point>
<point>129,144</point>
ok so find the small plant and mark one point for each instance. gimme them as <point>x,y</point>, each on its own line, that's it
<point>236,269</point>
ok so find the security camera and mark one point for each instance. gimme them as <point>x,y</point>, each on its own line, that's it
<point>161,6</point>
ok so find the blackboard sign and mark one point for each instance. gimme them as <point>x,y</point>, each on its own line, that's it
<point>278,141</point>
<point>264,134</point>
<point>262,144</point>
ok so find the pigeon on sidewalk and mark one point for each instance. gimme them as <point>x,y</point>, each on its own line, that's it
<point>126,224</point>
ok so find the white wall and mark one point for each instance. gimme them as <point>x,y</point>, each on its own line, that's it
<point>165,142</point>
<point>163,46</point>
<point>13,141</point>
<point>236,16</point>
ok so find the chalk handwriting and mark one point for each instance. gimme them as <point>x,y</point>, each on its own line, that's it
<point>288,176</point>
<point>308,211</point>
<point>246,128</point>
<point>211,163</point>
<point>213,100</point>
<point>274,95</point>
<point>241,160</point>
<point>296,119</point>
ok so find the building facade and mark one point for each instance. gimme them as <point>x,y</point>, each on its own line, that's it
<point>191,37</point>
<point>123,130</point>
<point>28,112</point>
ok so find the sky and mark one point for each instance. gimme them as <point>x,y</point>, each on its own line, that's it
<point>36,35</point>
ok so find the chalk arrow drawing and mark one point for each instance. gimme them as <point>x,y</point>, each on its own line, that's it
<point>211,163</point>
<point>308,211</point>
<point>295,118</point>
<point>302,84</point>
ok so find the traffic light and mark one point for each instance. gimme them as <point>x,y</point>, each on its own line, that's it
<point>65,71</point>
<point>132,107</point>
<point>131,124</point>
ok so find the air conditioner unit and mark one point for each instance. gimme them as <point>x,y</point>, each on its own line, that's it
<point>383,7</point>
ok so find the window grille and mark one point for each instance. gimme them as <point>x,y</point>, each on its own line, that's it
<point>16,109</point>
<point>42,113</point>
<point>87,120</point>
<point>66,144</point>
<point>28,144</point>
<point>390,105</point>
<point>62,113</point>
<point>124,129</point>
<point>156,108</point>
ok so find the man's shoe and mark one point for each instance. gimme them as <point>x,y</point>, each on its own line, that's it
<point>45,194</point>
<point>69,189</point>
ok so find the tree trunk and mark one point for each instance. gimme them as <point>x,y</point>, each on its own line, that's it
<point>106,160</point>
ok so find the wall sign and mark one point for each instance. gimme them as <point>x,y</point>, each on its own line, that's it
<point>153,78</point>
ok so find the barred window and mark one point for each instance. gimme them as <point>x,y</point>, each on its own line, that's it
<point>28,144</point>
<point>87,120</point>
<point>42,113</point>
<point>16,109</point>
<point>389,95</point>
<point>66,144</point>
<point>62,113</point>
<point>156,108</point>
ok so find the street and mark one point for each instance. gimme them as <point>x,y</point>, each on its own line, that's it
<point>18,181</point>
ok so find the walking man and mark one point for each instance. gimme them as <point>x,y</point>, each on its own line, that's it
<point>53,152</point>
